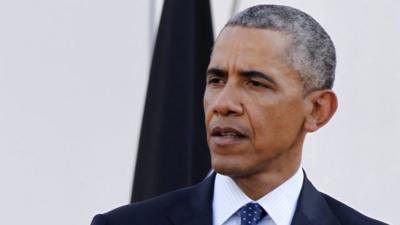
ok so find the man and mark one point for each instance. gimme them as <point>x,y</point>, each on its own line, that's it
<point>268,84</point>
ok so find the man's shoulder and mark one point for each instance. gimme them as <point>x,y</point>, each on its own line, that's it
<point>315,207</point>
<point>347,215</point>
<point>181,205</point>
<point>149,211</point>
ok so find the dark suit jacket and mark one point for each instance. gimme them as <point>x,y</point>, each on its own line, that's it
<point>193,206</point>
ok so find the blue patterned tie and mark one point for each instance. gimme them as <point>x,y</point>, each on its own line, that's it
<point>251,213</point>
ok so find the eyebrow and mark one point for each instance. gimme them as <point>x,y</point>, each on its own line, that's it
<point>256,74</point>
<point>245,73</point>
<point>216,72</point>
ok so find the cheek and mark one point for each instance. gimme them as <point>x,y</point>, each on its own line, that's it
<point>207,103</point>
<point>276,123</point>
<point>265,125</point>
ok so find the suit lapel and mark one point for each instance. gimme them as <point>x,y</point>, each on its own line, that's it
<point>197,208</point>
<point>312,208</point>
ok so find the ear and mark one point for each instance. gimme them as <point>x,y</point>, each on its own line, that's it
<point>322,104</point>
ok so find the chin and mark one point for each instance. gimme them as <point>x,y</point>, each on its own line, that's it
<point>229,168</point>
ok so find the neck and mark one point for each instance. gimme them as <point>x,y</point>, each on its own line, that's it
<point>274,173</point>
<point>257,185</point>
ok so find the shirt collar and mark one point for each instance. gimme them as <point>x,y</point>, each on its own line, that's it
<point>280,203</point>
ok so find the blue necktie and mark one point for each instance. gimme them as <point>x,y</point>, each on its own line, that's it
<point>251,213</point>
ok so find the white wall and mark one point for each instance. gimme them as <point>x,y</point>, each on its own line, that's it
<point>73,76</point>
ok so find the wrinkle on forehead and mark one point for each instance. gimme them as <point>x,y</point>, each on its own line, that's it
<point>242,48</point>
<point>253,43</point>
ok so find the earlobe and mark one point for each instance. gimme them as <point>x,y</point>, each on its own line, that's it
<point>310,124</point>
<point>323,105</point>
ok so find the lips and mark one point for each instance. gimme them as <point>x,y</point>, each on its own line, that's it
<point>227,135</point>
<point>228,132</point>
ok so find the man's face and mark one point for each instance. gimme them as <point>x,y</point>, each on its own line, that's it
<point>254,103</point>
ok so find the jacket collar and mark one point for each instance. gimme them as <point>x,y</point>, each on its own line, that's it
<point>312,208</point>
<point>197,208</point>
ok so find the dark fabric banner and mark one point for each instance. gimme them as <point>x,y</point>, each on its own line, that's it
<point>173,151</point>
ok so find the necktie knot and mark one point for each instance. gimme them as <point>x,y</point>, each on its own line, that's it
<point>251,213</point>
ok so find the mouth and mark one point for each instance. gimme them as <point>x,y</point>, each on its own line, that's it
<point>227,135</point>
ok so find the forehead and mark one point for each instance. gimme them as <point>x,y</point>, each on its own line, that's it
<point>251,46</point>
<point>241,48</point>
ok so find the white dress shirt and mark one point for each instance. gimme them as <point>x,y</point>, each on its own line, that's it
<point>280,204</point>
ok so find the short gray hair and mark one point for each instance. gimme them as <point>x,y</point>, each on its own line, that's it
<point>312,52</point>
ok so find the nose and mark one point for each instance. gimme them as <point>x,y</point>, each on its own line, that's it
<point>227,102</point>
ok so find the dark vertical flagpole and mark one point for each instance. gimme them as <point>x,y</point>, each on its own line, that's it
<point>173,152</point>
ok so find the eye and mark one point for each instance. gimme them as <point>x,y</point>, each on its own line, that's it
<point>213,80</point>
<point>255,83</point>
